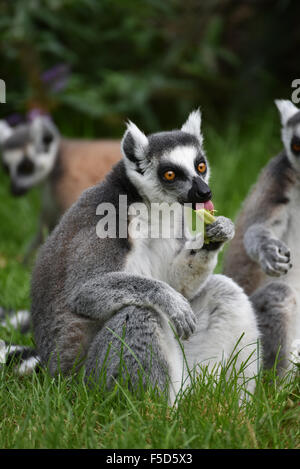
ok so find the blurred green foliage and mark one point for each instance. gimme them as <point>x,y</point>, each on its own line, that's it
<point>150,60</point>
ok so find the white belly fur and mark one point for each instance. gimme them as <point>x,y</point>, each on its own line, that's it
<point>152,258</point>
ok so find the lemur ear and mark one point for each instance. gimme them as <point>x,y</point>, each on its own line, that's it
<point>5,131</point>
<point>193,125</point>
<point>134,144</point>
<point>286,108</point>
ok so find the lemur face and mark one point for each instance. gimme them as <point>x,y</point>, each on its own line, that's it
<point>168,166</point>
<point>29,152</point>
<point>290,119</point>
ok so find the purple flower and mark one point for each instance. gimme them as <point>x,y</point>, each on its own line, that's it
<point>36,112</point>
<point>56,77</point>
<point>15,119</point>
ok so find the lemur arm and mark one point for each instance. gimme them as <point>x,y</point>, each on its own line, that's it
<point>192,268</point>
<point>104,295</point>
<point>263,245</point>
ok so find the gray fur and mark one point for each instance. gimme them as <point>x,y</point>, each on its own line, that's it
<point>20,138</point>
<point>162,142</point>
<point>221,230</point>
<point>275,305</point>
<point>103,297</point>
<point>294,120</point>
<point>137,327</point>
<point>271,253</point>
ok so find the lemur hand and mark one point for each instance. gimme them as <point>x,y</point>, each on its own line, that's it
<point>181,314</point>
<point>274,257</point>
<point>220,231</point>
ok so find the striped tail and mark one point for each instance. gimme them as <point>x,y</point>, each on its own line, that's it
<point>17,319</point>
<point>24,359</point>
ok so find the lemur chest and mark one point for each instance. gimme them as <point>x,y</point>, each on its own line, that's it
<point>152,258</point>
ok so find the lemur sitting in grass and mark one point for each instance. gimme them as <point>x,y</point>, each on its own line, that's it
<point>35,154</point>
<point>95,297</point>
<point>264,256</point>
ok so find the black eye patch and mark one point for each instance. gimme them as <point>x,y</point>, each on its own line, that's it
<point>295,145</point>
<point>47,140</point>
<point>198,160</point>
<point>180,173</point>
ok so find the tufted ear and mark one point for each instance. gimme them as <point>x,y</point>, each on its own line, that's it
<point>193,125</point>
<point>134,145</point>
<point>5,131</point>
<point>286,109</point>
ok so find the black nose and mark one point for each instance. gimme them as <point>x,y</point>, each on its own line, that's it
<point>199,192</point>
<point>25,168</point>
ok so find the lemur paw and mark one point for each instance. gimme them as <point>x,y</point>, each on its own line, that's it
<point>275,258</point>
<point>183,317</point>
<point>220,231</point>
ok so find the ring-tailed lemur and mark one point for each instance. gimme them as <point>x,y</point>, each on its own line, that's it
<point>91,295</point>
<point>264,256</point>
<point>34,153</point>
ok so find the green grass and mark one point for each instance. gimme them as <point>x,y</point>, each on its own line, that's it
<point>38,411</point>
<point>41,412</point>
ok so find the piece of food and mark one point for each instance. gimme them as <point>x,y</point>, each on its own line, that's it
<point>204,212</point>
<point>206,215</point>
<point>208,218</point>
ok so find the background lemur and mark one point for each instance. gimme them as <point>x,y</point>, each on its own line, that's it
<point>264,256</point>
<point>35,153</point>
<point>89,291</point>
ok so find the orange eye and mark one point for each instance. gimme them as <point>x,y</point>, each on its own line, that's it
<point>201,167</point>
<point>296,147</point>
<point>169,175</point>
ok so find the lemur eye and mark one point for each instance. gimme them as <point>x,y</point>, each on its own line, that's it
<point>201,167</point>
<point>169,175</point>
<point>296,147</point>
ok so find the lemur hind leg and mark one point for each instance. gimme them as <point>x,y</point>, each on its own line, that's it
<point>275,305</point>
<point>139,346</point>
<point>226,329</point>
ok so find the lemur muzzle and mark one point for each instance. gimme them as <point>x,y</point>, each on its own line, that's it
<point>199,192</point>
